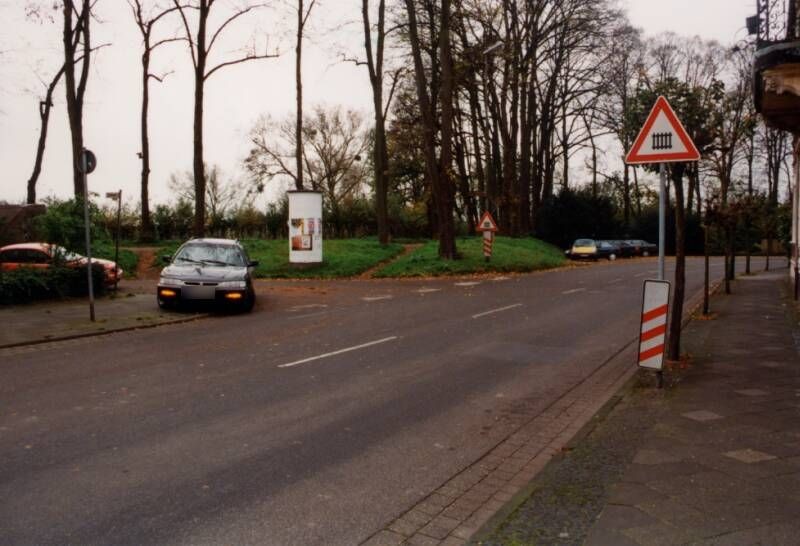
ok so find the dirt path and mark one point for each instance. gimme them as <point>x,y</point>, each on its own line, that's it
<point>147,268</point>
<point>406,249</point>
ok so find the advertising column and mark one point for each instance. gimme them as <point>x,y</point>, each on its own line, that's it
<point>305,227</point>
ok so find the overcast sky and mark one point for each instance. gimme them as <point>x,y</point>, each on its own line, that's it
<point>235,97</point>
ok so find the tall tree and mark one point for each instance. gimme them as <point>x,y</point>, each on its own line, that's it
<point>375,68</point>
<point>45,105</point>
<point>145,22</point>
<point>200,47</point>
<point>437,169</point>
<point>302,18</point>
<point>77,16</point>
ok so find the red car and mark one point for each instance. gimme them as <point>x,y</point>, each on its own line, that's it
<point>43,255</point>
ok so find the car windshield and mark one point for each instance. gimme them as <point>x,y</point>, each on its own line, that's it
<point>62,253</point>
<point>206,253</point>
<point>584,242</point>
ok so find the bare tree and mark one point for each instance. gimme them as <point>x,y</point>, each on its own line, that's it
<point>381,155</point>
<point>437,169</point>
<point>44,116</point>
<point>145,23</point>
<point>302,18</point>
<point>220,194</point>
<point>77,49</point>
<point>200,47</point>
<point>334,144</point>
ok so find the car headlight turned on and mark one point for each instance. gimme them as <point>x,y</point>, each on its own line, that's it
<point>169,281</point>
<point>237,285</point>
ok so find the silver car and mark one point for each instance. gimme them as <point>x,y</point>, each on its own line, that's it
<point>211,270</point>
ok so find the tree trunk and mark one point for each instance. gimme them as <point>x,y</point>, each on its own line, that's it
<point>447,232</point>
<point>146,233</point>
<point>437,171</point>
<point>44,116</point>
<point>199,91</point>
<point>75,90</point>
<point>381,154</point>
<point>679,284</point>
<point>298,131</point>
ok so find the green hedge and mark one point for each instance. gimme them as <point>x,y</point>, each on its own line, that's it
<point>27,285</point>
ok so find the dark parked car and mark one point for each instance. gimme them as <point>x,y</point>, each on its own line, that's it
<point>212,270</point>
<point>625,250</point>
<point>642,247</point>
<point>590,249</point>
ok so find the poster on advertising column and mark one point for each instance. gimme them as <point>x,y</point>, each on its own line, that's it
<point>305,227</point>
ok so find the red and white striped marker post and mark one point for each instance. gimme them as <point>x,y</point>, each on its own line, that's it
<point>487,226</point>
<point>488,241</point>
<point>653,329</point>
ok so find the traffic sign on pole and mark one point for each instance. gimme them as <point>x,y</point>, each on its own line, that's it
<point>662,139</point>
<point>488,226</point>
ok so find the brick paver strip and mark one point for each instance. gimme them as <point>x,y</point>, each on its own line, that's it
<point>463,504</point>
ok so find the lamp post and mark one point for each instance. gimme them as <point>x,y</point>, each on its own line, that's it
<point>117,196</point>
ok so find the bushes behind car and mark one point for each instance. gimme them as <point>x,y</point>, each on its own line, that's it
<point>27,285</point>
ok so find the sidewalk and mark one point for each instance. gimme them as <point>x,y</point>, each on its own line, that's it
<point>67,319</point>
<point>714,459</point>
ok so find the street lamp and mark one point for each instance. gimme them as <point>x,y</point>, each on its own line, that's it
<point>116,196</point>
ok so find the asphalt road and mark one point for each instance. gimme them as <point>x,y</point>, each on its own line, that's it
<point>315,420</point>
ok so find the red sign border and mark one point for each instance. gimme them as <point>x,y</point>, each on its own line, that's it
<point>491,219</point>
<point>661,105</point>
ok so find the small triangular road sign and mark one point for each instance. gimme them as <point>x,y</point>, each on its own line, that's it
<point>662,139</point>
<point>487,223</point>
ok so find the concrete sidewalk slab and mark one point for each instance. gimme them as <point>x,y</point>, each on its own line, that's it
<point>67,319</point>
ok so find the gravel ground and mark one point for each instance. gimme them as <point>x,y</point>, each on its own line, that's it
<point>566,498</point>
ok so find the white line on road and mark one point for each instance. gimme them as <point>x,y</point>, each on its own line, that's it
<point>428,290</point>
<point>641,275</point>
<point>308,315</point>
<point>506,308</point>
<point>469,283</point>
<point>340,351</point>
<point>615,280</point>
<point>309,306</point>
<point>498,279</point>
<point>573,291</point>
<point>376,298</point>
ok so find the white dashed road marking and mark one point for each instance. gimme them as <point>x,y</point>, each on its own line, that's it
<point>615,281</point>
<point>427,290</point>
<point>308,315</point>
<point>376,298</point>
<point>573,291</point>
<point>493,311</point>
<point>469,283</point>
<point>309,306</point>
<point>340,351</point>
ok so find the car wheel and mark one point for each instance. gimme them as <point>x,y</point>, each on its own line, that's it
<point>249,303</point>
<point>612,257</point>
<point>166,305</point>
<point>645,253</point>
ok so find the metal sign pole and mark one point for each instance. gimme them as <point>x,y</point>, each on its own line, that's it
<point>662,211</point>
<point>116,249</point>
<point>85,169</point>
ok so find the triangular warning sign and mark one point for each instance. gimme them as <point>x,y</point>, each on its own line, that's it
<point>662,138</point>
<point>487,223</point>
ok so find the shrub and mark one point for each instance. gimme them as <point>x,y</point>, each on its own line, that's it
<point>26,285</point>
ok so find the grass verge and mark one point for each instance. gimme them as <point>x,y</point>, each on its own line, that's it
<point>509,255</point>
<point>341,257</point>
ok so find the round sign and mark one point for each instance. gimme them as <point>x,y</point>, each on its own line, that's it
<point>87,162</point>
